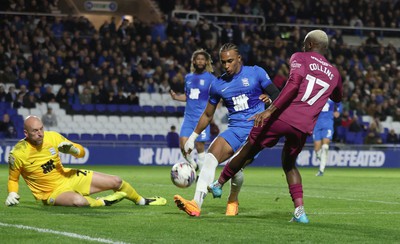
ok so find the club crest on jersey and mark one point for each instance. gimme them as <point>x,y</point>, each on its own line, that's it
<point>52,151</point>
<point>245,82</point>
<point>202,82</point>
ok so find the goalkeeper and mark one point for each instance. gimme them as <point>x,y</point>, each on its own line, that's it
<point>36,158</point>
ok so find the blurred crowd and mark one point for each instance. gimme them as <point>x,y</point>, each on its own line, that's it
<point>121,59</point>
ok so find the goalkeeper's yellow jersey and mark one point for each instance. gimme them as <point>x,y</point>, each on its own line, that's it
<point>39,166</point>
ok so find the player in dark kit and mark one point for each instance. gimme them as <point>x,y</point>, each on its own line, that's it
<point>312,80</point>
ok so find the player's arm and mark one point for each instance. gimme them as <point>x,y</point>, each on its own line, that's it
<point>177,97</point>
<point>204,121</point>
<point>289,92</point>
<point>12,185</point>
<point>72,148</point>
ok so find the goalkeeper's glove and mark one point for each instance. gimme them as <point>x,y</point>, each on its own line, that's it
<point>12,199</point>
<point>67,147</point>
<point>189,145</point>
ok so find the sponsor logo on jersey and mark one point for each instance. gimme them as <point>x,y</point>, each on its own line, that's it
<point>202,82</point>
<point>295,65</point>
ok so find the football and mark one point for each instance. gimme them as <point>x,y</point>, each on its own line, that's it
<point>183,174</point>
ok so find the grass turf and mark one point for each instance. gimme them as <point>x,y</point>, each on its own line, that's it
<point>345,205</point>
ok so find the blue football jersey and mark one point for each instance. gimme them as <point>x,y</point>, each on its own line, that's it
<point>196,89</point>
<point>240,94</point>
<point>327,111</point>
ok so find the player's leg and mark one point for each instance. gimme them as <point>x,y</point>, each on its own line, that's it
<point>73,199</point>
<point>219,151</point>
<point>293,146</point>
<point>103,182</point>
<point>324,154</point>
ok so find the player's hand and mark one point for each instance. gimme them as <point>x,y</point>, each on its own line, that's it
<point>260,118</point>
<point>173,94</point>
<point>265,99</point>
<point>67,147</point>
<point>12,199</point>
<point>189,145</point>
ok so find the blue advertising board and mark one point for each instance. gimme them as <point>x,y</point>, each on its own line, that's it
<point>133,154</point>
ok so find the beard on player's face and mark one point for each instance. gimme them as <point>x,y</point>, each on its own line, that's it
<point>199,67</point>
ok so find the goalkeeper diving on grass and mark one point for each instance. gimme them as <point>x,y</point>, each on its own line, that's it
<point>36,158</point>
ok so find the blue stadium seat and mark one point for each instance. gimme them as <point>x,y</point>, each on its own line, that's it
<point>147,109</point>
<point>350,137</point>
<point>73,136</point>
<point>136,109</point>
<point>124,108</point>
<point>147,137</point>
<point>180,109</point>
<point>110,137</point>
<point>101,108</point>
<point>135,137</point>
<point>159,137</point>
<point>112,108</point>
<point>89,108</point>
<point>98,137</point>
<point>159,109</point>
<point>86,136</point>
<point>123,137</point>
<point>170,109</point>
<point>77,108</point>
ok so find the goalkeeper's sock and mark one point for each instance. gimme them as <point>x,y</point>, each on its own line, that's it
<point>200,160</point>
<point>94,202</point>
<point>206,177</point>
<point>131,193</point>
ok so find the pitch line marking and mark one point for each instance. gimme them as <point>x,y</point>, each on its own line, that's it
<point>63,233</point>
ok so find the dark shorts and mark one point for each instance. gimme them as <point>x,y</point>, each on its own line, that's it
<point>273,130</point>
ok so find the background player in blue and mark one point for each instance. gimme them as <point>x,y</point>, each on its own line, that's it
<point>323,132</point>
<point>197,84</point>
<point>241,89</point>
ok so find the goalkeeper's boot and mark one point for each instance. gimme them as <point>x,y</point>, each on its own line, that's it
<point>216,189</point>
<point>320,173</point>
<point>300,216</point>
<point>232,208</point>
<point>113,198</point>
<point>155,201</point>
<point>190,207</point>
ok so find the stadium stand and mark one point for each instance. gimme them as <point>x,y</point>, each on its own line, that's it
<point>364,48</point>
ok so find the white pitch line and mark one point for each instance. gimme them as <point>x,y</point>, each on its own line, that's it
<point>68,234</point>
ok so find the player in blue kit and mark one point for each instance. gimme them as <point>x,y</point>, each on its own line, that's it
<point>197,84</point>
<point>242,90</point>
<point>323,132</point>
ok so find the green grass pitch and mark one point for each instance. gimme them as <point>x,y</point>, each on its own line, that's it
<point>345,205</point>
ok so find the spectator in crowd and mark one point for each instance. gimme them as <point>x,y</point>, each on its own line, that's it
<point>11,95</point>
<point>7,127</point>
<point>49,119</point>
<point>392,137</point>
<point>86,96</point>
<point>373,135</point>
<point>132,99</point>
<point>3,93</point>
<point>355,125</point>
<point>29,100</point>
<point>48,96</point>
<point>173,138</point>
